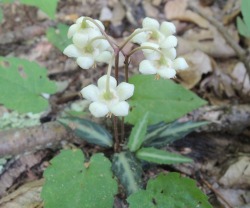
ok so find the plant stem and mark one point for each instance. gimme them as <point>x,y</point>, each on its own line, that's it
<point>108,75</point>
<point>126,63</point>
<point>117,142</point>
<point>145,47</point>
<point>136,32</point>
<point>103,32</point>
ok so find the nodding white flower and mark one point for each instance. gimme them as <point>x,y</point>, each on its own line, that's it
<point>89,46</point>
<point>105,103</point>
<point>164,67</point>
<point>154,31</point>
<point>82,24</point>
<point>86,57</point>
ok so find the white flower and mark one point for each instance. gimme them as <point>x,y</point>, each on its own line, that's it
<point>82,24</point>
<point>104,103</point>
<point>87,56</point>
<point>155,32</point>
<point>164,67</point>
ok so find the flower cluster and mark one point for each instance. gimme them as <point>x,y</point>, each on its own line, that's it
<point>89,45</point>
<point>158,45</point>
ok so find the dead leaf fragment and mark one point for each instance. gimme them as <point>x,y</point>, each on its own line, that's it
<point>177,10</point>
<point>237,173</point>
<point>199,64</point>
<point>239,74</point>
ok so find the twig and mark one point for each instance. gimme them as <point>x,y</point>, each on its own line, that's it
<point>241,53</point>
<point>217,193</point>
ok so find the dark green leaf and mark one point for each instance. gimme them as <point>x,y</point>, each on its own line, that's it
<point>164,100</point>
<point>23,85</point>
<point>169,133</point>
<point>138,134</point>
<point>72,182</point>
<point>170,191</point>
<point>245,8</point>
<point>88,130</point>
<point>242,28</point>
<point>128,170</point>
<point>160,156</point>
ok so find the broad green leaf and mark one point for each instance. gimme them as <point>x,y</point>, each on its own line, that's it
<point>169,133</point>
<point>23,85</point>
<point>71,181</point>
<point>170,191</point>
<point>128,170</point>
<point>160,156</point>
<point>245,8</point>
<point>242,28</point>
<point>138,134</point>
<point>47,6</point>
<point>58,36</point>
<point>163,99</point>
<point>88,130</point>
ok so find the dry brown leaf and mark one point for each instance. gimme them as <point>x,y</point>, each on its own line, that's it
<point>209,47</point>
<point>231,10</point>
<point>118,14</point>
<point>150,10</point>
<point>239,74</point>
<point>27,196</point>
<point>237,173</point>
<point>199,64</point>
<point>177,9</point>
<point>106,14</point>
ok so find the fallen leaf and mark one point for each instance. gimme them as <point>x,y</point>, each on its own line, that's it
<point>199,64</point>
<point>237,173</point>
<point>177,9</point>
<point>239,74</point>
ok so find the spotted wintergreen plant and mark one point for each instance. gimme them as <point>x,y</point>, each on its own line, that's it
<point>147,101</point>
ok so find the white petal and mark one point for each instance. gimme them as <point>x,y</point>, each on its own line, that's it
<point>146,67</point>
<point>79,20</point>
<point>72,30</point>
<point>120,109</point>
<point>91,24</point>
<point>149,44</point>
<point>72,51</point>
<point>140,37</point>
<point>98,109</point>
<point>167,28</point>
<point>150,23</point>
<point>80,39</point>
<point>166,73</point>
<point>104,57</point>
<point>169,42</point>
<point>85,62</point>
<point>170,53</point>
<point>101,83</point>
<point>91,93</point>
<point>102,44</point>
<point>180,63</point>
<point>125,91</point>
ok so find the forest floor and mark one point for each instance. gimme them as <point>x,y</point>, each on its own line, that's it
<point>221,150</point>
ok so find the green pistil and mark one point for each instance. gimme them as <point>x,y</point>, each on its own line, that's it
<point>89,48</point>
<point>84,24</point>
<point>108,96</point>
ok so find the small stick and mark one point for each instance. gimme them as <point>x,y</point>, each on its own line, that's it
<point>217,193</point>
<point>241,53</point>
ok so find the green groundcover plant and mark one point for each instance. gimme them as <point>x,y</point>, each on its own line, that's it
<point>150,102</point>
